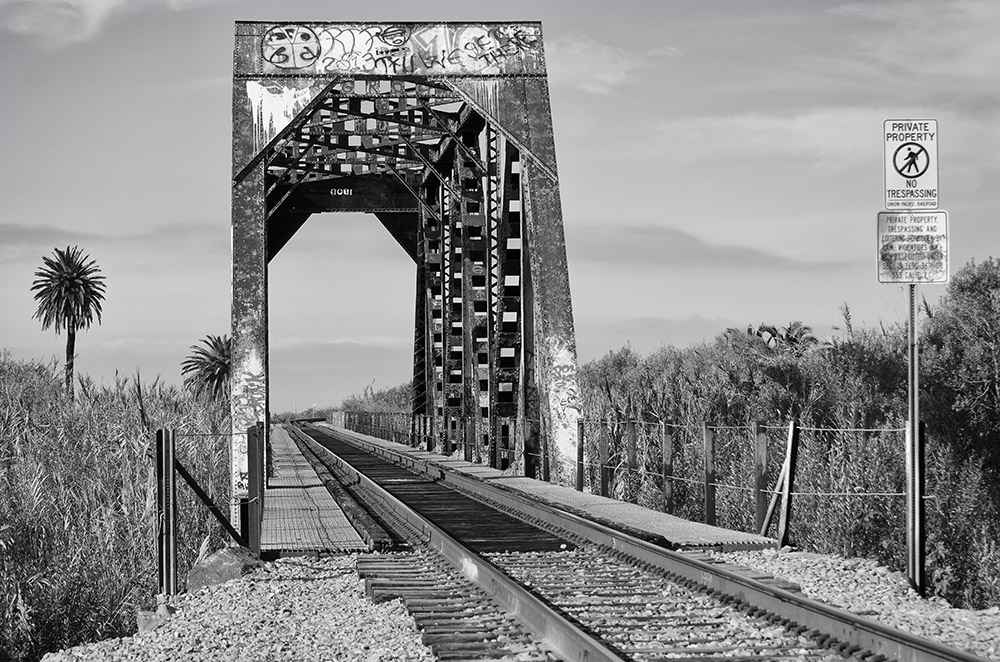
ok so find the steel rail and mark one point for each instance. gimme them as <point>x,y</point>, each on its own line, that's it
<point>850,629</point>
<point>565,638</point>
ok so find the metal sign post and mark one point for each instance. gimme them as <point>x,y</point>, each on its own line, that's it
<point>912,249</point>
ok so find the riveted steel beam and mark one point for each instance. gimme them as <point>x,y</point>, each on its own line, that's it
<point>443,131</point>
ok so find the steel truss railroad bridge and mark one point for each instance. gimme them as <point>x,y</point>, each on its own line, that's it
<point>443,131</point>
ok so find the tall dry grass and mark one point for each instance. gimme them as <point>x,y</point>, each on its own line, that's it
<point>849,398</point>
<point>78,498</point>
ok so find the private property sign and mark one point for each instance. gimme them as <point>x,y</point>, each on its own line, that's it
<point>911,171</point>
<point>913,247</point>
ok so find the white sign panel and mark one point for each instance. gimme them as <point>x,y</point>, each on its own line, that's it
<point>913,247</point>
<point>911,169</point>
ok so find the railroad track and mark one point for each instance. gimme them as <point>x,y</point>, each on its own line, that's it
<point>581,590</point>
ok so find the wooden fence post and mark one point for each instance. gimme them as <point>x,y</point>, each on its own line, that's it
<point>579,455</point>
<point>632,442</point>
<point>760,474</point>
<point>667,444</point>
<point>633,439</point>
<point>791,453</point>
<point>603,449</point>
<point>709,436</point>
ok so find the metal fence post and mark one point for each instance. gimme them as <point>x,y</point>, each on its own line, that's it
<point>166,513</point>
<point>579,454</point>
<point>255,486</point>
<point>158,448</point>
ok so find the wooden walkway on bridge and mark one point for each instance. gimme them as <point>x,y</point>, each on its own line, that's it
<point>670,530</point>
<point>300,517</point>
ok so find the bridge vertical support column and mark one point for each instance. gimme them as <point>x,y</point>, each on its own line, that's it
<point>248,402</point>
<point>552,320</point>
<point>518,108</point>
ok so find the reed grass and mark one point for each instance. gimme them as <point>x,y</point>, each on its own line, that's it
<point>78,497</point>
<point>849,399</point>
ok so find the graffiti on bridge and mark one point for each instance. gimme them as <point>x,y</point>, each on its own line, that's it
<point>403,49</point>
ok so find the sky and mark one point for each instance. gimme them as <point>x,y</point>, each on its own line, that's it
<point>721,165</point>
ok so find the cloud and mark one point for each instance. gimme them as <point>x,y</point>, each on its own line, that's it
<point>658,246</point>
<point>367,341</point>
<point>919,39</point>
<point>58,23</point>
<point>826,138</point>
<point>23,242</point>
<point>591,66</point>
<point>15,233</point>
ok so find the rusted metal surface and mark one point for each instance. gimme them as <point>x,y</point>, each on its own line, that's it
<point>389,49</point>
<point>443,131</point>
<point>248,402</point>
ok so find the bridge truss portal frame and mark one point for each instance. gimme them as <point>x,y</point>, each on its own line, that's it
<point>443,132</point>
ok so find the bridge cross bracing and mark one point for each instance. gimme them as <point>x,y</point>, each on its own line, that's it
<point>443,132</point>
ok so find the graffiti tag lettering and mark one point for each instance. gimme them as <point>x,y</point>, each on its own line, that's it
<point>403,49</point>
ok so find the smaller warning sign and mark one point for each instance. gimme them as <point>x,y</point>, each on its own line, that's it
<point>913,247</point>
<point>911,172</point>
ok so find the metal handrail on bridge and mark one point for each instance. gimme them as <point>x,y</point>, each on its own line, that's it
<point>769,490</point>
<point>251,505</point>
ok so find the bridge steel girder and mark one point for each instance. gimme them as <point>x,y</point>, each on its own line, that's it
<point>443,131</point>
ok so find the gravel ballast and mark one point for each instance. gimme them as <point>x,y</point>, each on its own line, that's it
<point>292,609</point>
<point>864,588</point>
<point>316,609</point>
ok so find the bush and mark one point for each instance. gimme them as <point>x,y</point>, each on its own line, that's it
<point>849,397</point>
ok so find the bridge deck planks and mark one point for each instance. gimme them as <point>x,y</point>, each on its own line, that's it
<point>673,531</point>
<point>300,516</point>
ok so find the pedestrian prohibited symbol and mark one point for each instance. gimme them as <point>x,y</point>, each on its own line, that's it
<point>911,164</point>
<point>911,160</point>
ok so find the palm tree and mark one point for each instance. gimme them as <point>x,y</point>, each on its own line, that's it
<point>69,290</point>
<point>207,368</point>
<point>798,334</point>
